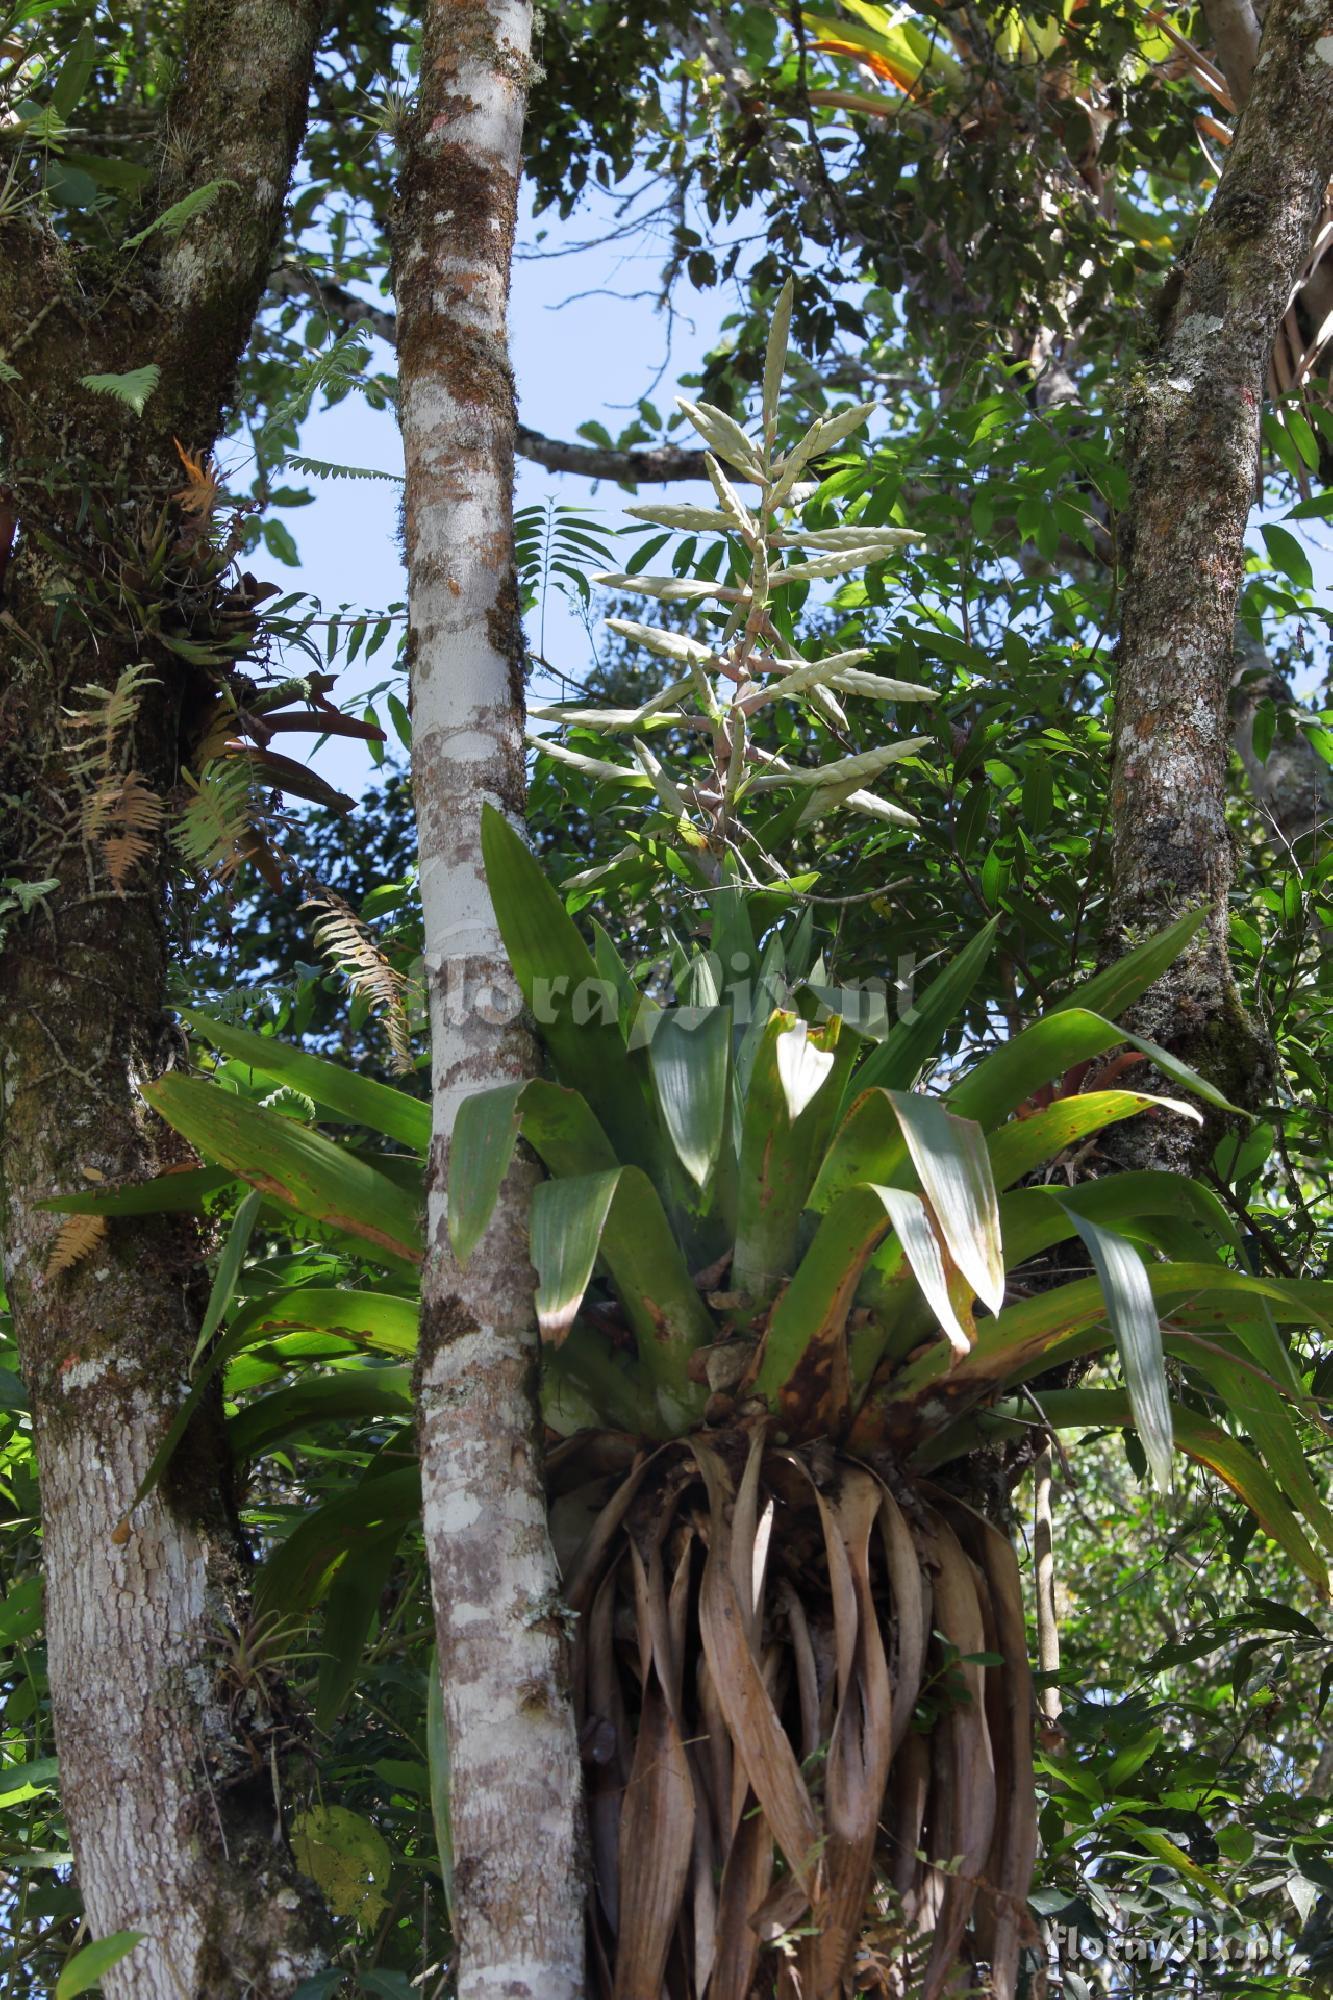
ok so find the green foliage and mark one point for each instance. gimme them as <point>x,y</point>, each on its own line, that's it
<point>133,389</point>
<point>173,221</point>
<point>1192,1680</point>
<point>86,1967</point>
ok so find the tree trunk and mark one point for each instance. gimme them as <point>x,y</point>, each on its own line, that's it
<point>1193,460</point>
<point>514,1778</point>
<point>168,1759</point>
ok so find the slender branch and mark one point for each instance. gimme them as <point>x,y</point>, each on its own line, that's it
<point>653,465</point>
<point>339,303</point>
<point>649,465</point>
<point>1235,32</point>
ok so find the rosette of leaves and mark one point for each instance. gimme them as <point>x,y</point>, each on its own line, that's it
<point>747,662</point>
<point>809,1285</point>
<point>785,1293</point>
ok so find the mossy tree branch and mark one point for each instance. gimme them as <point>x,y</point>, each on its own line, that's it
<point>1193,463</point>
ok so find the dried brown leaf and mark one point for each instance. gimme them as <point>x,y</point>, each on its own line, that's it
<point>964,1783</point>
<point>77,1237</point>
<point>1002,1923</point>
<point>756,1730</point>
<point>656,1839</point>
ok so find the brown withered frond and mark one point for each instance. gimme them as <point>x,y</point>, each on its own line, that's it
<point>77,1238</point>
<point>121,816</point>
<point>786,1692</point>
<point>201,492</point>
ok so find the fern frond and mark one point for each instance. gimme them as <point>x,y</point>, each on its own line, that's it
<point>212,832</point>
<point>350,947</point>
<point>291,1103</point>
<point>77,1237</point>
<point>320,468</point>
<point>556,545</point>
<point>173,220</point>
<point>93,730</point>
<point>122,804</point>
<point>133,388</point>
<point>339,368</point>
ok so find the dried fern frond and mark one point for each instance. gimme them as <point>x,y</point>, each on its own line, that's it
<point>93,730</point>
<point>213,831</point>
<point>350,947</point>
<point>122,816</point>
<point>77,1237</point>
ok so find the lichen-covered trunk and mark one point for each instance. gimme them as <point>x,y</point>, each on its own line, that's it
<point>169,1758</point>
<point>514,1773</point>
<point>169,1794</point>
<point>1193,456</point>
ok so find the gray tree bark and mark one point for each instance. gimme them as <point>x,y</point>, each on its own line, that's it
<point>1193,456</point>
<point>500,1624</point>
<point>164,1759</point>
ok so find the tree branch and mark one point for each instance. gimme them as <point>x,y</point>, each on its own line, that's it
<point>1192,454</point>
<point>236,121</point>
<point>650,465</point>
<point>1235,32</point>
<point>339,303</point>
<point>1292,786</point>
<point>653,465</point>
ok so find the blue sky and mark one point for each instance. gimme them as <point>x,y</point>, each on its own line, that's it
<point>588,341</point>
<point>592,357</point>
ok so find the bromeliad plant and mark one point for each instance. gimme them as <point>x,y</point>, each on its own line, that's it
<point>808,1283</point>
<point>786,1295</point>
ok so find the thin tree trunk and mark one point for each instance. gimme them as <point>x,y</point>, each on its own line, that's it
<point>1193,460</point>
<point>514,1779</point>
<point>167,1755</point>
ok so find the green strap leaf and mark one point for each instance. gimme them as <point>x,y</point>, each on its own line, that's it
<point>296,1167</point>
<point>569,1219</point>
<point>1068,1409</point>
<point>1118,986</point>
<point>690,1058</point>
<point>577,1012</point>
<point>352,1392</point>
<point>618,1216</point>
<point>780,1157</point>
<point>913,1040</point>
<point>803,1067</point>
<point>363,1099</point>
<point>1257,1405</point>
<point>85,1969</point>
<point>379,1320</point>
<point>480,1149</point>
<point>924,1253</point>
<point>1025,1143</point>
<point>949,1154</point>
<point>803,1368</point>
<point>228,1271</point>
<point>353,1600</point>
<point>1138,1337</point>
<point>300,1569</point>
<point>1010,1074</point>
<point>168,1194</point>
